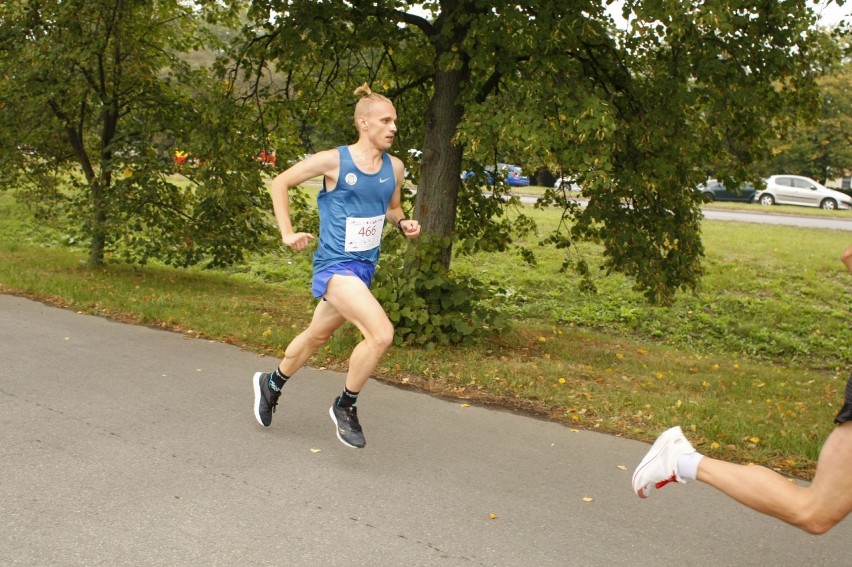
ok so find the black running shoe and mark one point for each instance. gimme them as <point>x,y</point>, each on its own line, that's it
<point>265,399</point>
<point>348,429</point>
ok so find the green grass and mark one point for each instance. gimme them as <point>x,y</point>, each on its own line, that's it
<point>752,366</point>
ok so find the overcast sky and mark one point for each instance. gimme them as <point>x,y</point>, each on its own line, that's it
<point>832,14</point>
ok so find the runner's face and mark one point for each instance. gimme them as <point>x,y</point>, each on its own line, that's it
<point>381,125</point>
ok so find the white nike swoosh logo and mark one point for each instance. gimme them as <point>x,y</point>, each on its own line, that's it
<point>383,180</point>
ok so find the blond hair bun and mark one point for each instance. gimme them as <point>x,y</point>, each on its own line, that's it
<point>364,90</point>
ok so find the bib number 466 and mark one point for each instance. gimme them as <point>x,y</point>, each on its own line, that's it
<point>363,233</point>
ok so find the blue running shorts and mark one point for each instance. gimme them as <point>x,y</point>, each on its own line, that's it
<point>362,270</point>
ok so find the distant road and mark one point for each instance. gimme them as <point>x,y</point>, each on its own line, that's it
<point>764,218</point>
<point>768,218</point>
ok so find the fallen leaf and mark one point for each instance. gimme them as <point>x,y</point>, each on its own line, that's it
<point>622,467</point>
<point>588,499</point>
<point>492,516</point>
<point>315,450</point>
<point>465,405</point>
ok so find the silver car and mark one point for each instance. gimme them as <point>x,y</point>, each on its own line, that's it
<point>804,191</point>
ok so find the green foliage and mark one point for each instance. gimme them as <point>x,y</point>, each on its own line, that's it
<point>103,94</point>
<point>98,102</point>
<point>638,115</point>
<point>428,304</point>
<point>820,148</point>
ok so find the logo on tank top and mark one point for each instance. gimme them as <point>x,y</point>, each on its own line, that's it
<point>351,179</point>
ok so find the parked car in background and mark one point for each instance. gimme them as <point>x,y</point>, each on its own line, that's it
<point>804,191</point>
<point>566,183</point>
<point>512,174</point>
<point>714,190</point>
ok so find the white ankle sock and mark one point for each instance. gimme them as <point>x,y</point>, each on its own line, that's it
<point>687,466</point>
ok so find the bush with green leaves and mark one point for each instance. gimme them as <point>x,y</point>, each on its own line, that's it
<point>428,304</point>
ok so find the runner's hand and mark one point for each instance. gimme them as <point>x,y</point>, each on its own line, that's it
<point>410,228</point>
<point>298,240</point>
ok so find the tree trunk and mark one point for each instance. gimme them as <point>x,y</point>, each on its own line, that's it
<point>98,242</point>
<point>437,194</point>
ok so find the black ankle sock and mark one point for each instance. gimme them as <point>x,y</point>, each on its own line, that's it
<point>277,379</point>
<point>347,398</point>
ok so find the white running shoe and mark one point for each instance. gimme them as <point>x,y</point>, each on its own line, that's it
<point>659,467</point>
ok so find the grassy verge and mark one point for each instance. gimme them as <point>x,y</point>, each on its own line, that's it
<point>753,365</point>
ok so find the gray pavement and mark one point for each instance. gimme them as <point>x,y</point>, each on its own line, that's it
<point>125,445</point>
<point>837,223</point>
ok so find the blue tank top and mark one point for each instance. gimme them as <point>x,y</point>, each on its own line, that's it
<point>352,215</point>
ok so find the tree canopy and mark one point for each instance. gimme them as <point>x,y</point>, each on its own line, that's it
<point>820,149</point>
<point>637,114</point>
<point>96,95</point>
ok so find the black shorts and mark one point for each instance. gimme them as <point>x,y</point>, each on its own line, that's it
<point>845,413</point>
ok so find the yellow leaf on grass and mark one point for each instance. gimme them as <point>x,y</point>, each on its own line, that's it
<point>562,380</point>
<point>754,439</point>
<point>714,445</point>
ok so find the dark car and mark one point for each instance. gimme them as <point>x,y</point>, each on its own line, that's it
<point>715,191</point>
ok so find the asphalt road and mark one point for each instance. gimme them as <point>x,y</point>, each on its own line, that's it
<point>843,221</point>
<point>789,220</point>
<point>125,445</point>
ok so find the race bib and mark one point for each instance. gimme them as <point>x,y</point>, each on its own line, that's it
<point>363,234</point>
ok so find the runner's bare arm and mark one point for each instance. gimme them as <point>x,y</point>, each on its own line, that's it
<point>395,215</point>
<point>846,258</point>
<point>326,163</point>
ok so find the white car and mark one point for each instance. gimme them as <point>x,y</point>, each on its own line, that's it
<point>566,183</point>
<point>804,191</point>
